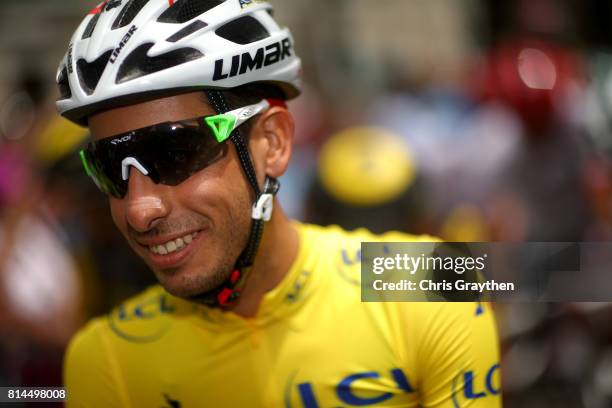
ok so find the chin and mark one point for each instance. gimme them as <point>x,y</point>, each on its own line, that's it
<point>187,283</point>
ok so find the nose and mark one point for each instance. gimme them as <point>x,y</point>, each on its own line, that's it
<point>145,202</point>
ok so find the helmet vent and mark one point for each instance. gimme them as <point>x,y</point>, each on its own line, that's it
<point>139,64</point>
<point>90,72</point>
<point>128,13</point>
<point>90,26</point>
<point>243,30</point>
<point>62,83</point>
<point>190,29</point>
<point>185,10</point>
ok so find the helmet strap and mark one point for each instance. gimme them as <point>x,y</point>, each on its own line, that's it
<point>229,291</point>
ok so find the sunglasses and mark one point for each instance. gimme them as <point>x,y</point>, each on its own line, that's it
<point>169,153</point>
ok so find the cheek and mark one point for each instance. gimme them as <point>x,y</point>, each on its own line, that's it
<point>222,188</point>
<point>118,214</point>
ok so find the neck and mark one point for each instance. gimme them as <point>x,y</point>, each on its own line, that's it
<point>276,253</point>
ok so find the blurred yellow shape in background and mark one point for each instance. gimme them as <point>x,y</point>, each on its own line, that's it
<point>59,138</point>
<point>366,166</point>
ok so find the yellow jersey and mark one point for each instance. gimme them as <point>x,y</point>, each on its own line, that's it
<point>312,344</point>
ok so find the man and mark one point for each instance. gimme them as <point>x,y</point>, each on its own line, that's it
<point>185,102</point>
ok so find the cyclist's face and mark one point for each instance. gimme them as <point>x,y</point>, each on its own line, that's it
<point>189,234</point>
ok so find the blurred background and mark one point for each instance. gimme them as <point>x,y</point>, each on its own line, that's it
<point>473,120</point>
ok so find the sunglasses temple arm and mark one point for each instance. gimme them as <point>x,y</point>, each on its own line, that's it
<point>246,113</point>
<point>224,124</point>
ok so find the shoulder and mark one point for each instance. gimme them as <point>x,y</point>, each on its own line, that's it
<point>456,351</point>
<point>344,247</point>
<point>336,236</point>
<point>454,331</point>
<point>90,361</point>
<point>333,252</point>
<point>444,317</point>
<point>82,346</point>
<point>141,318</point>
<point>109,347</point>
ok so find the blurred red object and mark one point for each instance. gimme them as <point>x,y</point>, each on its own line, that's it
<point>534,78</point>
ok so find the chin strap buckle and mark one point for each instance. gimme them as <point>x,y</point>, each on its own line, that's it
<point>227,297</point>
<point>262,209</point>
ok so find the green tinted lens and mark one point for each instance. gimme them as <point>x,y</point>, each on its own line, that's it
<point>95,172</point>
<point>85,163</point>
<point>90,168</point>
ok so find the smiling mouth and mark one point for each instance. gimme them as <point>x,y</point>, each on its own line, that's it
<point>175,245</point>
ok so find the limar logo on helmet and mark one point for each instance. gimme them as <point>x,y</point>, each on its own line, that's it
<point>69,64</point>
<point>124,41</point>
<point>264,56</point>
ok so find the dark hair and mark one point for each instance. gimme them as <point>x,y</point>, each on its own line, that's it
<point>247,95</point>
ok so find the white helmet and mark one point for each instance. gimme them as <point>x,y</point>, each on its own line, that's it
<point>127,51</point>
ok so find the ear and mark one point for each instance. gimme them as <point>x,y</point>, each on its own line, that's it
<point>275,140</point>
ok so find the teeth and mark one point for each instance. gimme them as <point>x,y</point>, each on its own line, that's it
<point>172,246</point>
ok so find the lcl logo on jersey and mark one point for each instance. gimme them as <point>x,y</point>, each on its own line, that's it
<point>476,387</point>
<point>142,322</point>
<point>345,390</point>
<point>465,386</point>
<point>263,57</point>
